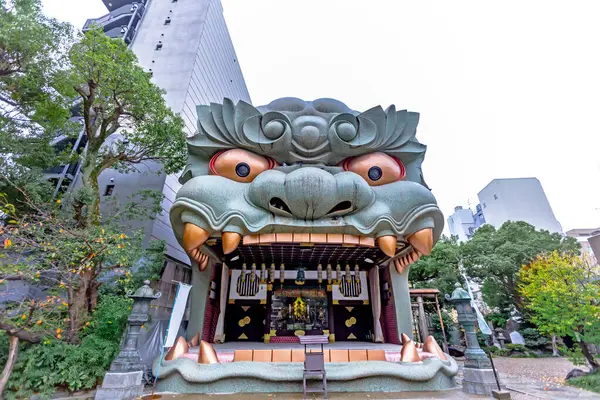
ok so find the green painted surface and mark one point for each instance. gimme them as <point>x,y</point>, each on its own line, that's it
<point>308,140</point>
<point>185,376</point>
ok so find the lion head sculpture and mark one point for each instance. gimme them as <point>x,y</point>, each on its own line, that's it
<point>315,169</point>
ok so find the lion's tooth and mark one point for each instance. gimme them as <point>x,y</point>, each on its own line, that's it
<point>230,241</point>
<point>399,266</point>
<point>422,241</point>
<point>387,244</point>
<point>193,237</point>
<point>414,257</point>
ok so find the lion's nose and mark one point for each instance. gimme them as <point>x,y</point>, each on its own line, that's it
<point>310,192</point>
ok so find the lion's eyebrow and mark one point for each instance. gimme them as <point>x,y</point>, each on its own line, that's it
<point>332,169</point>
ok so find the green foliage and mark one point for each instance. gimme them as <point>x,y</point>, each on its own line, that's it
<point>561,292</point>
<point>587,382</point>
<point>574,354</point>
<point>120,105</point>
<point>437,327</point>
<point>3,347</point>
<point>32,47</point>
<point>496,351</point>
<point>42,368</point>
<point>516,347</point>
<point>512,350</point>
<point>440,269</point>
<point>495,256</point>
<point>497,318</point>
<point>533,339</point>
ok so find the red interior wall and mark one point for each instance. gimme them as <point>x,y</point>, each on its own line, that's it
<point>388,312</point>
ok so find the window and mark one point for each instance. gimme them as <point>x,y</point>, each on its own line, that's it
<point>109,190</point>
<point>159,46</point>
<point>173,1</point>
<point>168,21</point>
<point>495,197</point>
<point>484,205</point>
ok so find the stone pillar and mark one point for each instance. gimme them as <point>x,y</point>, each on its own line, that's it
<point>478,373</point>
<point>198,298</point>
<point>124,379</point>
<point>401,297</point>
<point>423,331</point>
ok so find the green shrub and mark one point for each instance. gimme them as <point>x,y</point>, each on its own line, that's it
<point>437,327</point>
<point>496,351</point>
<point>43,367</point>
<point>533,339</point>
<point>588,382</point>
<point>516,347</point>
<point>498,319</point>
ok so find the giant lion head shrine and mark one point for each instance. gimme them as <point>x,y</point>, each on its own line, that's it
<point>302,219</point>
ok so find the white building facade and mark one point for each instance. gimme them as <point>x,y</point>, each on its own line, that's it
<point>186,47</point>
<point>518,199</point>
<point>502,200</point>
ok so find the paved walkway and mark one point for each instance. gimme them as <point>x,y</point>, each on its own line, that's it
<point>539,378</point>
<point>526,378</point>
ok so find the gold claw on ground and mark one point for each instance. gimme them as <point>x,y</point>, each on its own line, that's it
<point>195,340</point>
<point>179,348</point>
<point>431,346</point>
<point>404,338</point>
<point>207,354</point>
<point>409,352</point>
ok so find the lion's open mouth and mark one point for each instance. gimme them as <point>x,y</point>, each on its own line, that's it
<point>307,248</point>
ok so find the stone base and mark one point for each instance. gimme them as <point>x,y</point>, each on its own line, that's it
<point>501,394</point>
<point>121,386</point>
<point>479,381</point>
<point>183,375</point>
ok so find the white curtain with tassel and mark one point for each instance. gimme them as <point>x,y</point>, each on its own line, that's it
<point>376,303</point>
<point>220,330</point>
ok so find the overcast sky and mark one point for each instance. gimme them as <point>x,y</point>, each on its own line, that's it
<point>505,89</point>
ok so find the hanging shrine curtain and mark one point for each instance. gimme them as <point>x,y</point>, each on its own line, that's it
<point>376,303</point>
<point>220,330</point>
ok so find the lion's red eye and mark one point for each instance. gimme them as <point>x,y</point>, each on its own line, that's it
<point>376,168</point>
<point>239,165</point>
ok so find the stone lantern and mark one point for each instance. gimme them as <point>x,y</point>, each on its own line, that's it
<point>475,357</point>
<point>124,379</point>
<point>479,377</point>
<point>129,358</point>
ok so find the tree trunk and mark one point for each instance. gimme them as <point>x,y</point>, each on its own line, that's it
<point>554,348</point>
<point>93,295</point>
<point>79,305</point>
<point>593,363</point>
<point>13,351</point>
<point>89,178</point>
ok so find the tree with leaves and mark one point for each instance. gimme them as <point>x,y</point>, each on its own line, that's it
<point>32,54</point>
<point>125,118</point>
<point>32,50</point>
<point>441,269</point>
<point>50,270</point>
<point>495,256</point>
<point>561,293</point>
